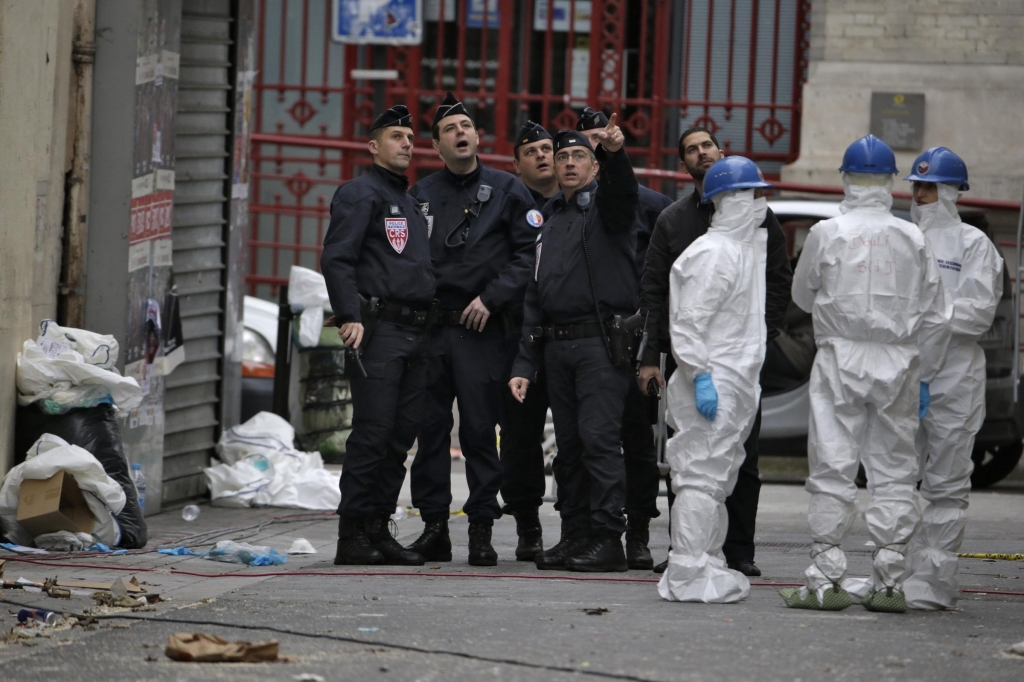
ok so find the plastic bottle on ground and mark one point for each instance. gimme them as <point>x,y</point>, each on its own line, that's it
<point>190,512</point>
<point>140,485</point>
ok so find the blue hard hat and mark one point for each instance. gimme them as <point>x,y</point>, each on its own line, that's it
<point>869,155</point>
<point>939,164</point>
<point>731,173</point>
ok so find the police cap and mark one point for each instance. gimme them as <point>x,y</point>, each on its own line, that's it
<point>396,116</point>
<point>449,107</point>
<point>531,132</point>
<point>590,119</point>
<point>570,138</point>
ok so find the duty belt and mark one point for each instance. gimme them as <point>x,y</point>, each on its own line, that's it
<point>566,332</point>
<point>413,314</point>
<point>450,318</point>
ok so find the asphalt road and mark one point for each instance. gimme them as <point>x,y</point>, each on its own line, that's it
<point>431,627</point>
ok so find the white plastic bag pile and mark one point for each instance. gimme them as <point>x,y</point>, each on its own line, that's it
<point>261,468</point>
<point>67,368</point>
<point>308,288</point>
<point>49,455</point>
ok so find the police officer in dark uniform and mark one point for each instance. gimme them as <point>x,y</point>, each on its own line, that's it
<point>584,278</point>
<point>679,226</point>
<point>481,247</point>
<point>376,261</point>
<point>522,424</point>
<point>642,474</point>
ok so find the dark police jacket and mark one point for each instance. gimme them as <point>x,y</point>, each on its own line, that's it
<point>376,245</point>
<point>497,258</point>
<point>679,226</point>
<point>648,209</point>
<point>559,291</point>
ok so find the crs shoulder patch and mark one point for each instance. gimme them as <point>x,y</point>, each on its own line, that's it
<point>535,218</point>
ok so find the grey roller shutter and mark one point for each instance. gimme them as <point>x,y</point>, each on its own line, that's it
<point>201,142</point>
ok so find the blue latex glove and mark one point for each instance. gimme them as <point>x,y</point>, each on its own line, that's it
<point>707,396</point>
<point>926,399</point>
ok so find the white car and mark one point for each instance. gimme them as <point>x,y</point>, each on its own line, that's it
<point>998,447</point>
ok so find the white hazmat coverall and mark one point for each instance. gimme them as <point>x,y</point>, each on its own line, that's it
<point>717,301</point>
<point>881,324</point>
<point>972,272</point>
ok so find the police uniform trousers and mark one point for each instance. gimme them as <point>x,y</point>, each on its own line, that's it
<point>641,457</point>
<point>742,502</point>
<point>387,407</point>
<point>467,366</point>
<point>588,399</point>
<point>522,435</point>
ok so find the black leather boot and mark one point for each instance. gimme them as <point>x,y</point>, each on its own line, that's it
<point>638,556</point>
<point>354,547</point>
<point>602,555</point>
<point>434,543</point>
<point>394,554</point>
<point>572,541</point>
<point>481,553</point>
<point>662,567</point>
<point>531,541</point>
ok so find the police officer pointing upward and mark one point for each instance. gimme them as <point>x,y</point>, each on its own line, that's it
<point>376,261</point>
<point>642,474</point>
<point>481,247</point>
<point>584,278</point>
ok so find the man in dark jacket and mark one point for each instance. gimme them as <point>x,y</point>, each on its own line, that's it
<point>522,424</point>
<point>679,226</point>
<point>376,262</point>
<point>481,247</point>
<point>642,473</point>
<point>584,274</point>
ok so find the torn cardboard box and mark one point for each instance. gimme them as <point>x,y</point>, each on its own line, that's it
<point>53,504</point>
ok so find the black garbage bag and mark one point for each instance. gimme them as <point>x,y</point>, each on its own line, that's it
<point>95,430</point>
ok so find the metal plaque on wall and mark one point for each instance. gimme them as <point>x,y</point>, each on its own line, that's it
<point>898,119</point>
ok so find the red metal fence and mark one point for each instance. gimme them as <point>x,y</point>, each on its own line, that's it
<point>733,66</point>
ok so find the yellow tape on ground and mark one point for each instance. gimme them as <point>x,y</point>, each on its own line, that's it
<point>1000,557</point>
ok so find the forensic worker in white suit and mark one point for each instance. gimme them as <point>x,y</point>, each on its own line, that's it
<point>881,324</point>
<point>716,308</point>
<point>972,272</point>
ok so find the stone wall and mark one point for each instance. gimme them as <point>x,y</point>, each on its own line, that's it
<point>966,56</point>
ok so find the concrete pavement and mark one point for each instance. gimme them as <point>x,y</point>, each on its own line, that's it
<point>524,628</point>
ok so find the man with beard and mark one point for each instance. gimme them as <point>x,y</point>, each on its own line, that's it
<point>679,226</point>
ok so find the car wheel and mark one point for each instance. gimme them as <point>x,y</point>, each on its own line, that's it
<point>993,463</point>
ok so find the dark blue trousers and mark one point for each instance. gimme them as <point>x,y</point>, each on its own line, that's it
<point>468,367</point>
<point>387,407</point>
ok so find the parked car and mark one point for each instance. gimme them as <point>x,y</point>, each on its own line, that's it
<point>259,346</point>
<point>998,446</point>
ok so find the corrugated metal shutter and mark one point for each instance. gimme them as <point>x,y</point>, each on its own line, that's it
<point>201,140</point>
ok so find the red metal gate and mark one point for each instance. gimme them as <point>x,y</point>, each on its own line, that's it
<point>733,66</point>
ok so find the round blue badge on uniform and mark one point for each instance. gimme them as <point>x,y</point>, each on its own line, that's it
<point>534,217</point>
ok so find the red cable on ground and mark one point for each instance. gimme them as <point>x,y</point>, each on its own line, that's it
<point>414,574</point>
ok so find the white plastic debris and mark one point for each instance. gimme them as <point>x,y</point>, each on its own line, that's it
<point>302,546</point>
<point>64,541</point>
<point>308,289</point>
<point>400,514</point>
<point>68,368</point>
<point>262,468</point>
<point>46,457</point>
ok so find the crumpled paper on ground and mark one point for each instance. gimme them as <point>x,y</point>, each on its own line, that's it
<point>202,648</point>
